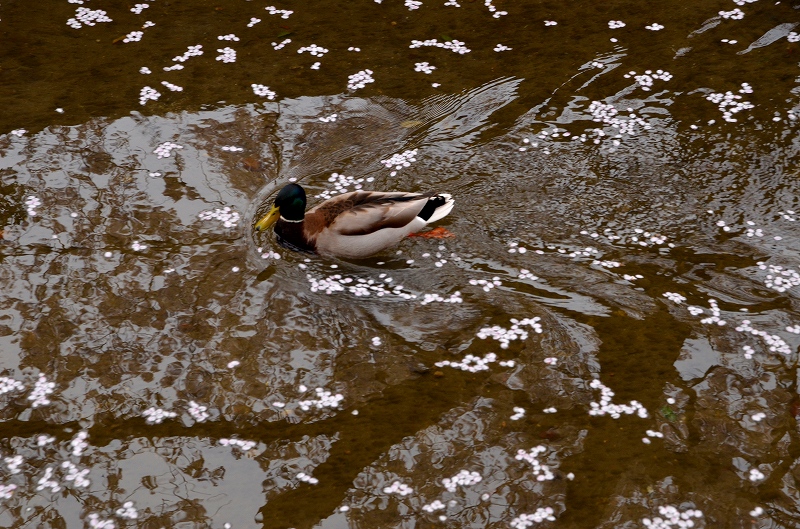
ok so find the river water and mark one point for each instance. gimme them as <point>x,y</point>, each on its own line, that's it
<point>609,339</point>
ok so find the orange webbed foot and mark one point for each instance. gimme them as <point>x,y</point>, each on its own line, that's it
<point>435,233</point>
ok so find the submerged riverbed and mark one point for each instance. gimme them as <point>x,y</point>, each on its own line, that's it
<point>610,339</point>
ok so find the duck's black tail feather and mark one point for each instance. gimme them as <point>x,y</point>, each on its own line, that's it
<point>437,207</point>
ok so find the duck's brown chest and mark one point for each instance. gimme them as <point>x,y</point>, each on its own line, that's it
<point>291,235</point>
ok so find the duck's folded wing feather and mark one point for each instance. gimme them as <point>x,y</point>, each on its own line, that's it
<point>365,212</point>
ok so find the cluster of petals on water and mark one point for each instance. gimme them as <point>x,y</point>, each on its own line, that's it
<point>164,150</point>
<point>359,79</point>
<point>284,13</point>
<point>606,407</point>
<point>519,413</point>
<point>730,104</point>
<point>779,278</point>
<point>78,444</point>
<point>127,511</point>
<point>305,478</point>
<point>263,91</point>
<point>199,413</point>
<point>674,297</point>
<point>324,399</point>
<point>755,475</point>
<point>456,46</point>
<point>88,17</point>
<point>227,54</point>
<point>515,332</point>
<point>238,443</point>
<point>8,384</point>
<point>76,475</point>
<point>400,160</point>
<point>464,478</point>
<point>95,522</point>
<point>542,472</point>
<point>774,343</point>
<point>651,433</point>
<point>227,216</point>
<point>471,363</point>
<point>155,415</point>
<point>313,49</point>
<point>734,14</point>
<point>148,93</point>
<point>646,79</point>
<point>434,506</point>
<point>398,488</point>
<point>424,67</point>
<point>342,184</point>
<point>523,521</point>
<point>133,36</point>
<point>492,9</point>
<point>671,517</point>
<point>31,203</point>
<point>172,87</point>
<point>191,51</point>
<point>41,390</point>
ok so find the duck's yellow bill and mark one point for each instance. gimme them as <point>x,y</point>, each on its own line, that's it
<point>268,220</point>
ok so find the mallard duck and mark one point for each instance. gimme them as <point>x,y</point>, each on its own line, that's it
<point>352,225</point>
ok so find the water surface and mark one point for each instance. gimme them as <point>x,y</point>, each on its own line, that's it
<point>623,273</point>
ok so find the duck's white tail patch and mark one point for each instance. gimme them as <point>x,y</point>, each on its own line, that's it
<point>443,210</point>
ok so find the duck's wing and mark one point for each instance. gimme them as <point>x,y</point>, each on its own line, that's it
<point>365,212</point>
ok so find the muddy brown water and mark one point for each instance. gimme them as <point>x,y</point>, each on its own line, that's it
<point>646,246</point>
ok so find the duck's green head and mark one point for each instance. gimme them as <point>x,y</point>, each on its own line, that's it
<point>289,204</point>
